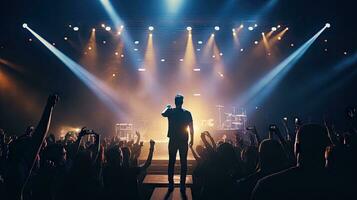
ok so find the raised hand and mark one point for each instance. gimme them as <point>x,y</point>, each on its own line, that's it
<point>152,144</point>
<point>82,132</point>
<point>52,100</point>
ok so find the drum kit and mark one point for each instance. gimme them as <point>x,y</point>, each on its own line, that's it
<point>235,120</point>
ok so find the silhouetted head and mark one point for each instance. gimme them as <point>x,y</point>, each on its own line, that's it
<point>249,156</point>
<point>56,153</point>
<point>114,156</point>
<point>226,156</point>
<point>126,156</point>
<point>310,145</point>
<point>272,157</point>
<point>178,101</point>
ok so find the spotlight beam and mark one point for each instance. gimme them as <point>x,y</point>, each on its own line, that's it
<point>103,92</point>
<point>263,87</point>
<point>118,22</point>
<point>320,82</point>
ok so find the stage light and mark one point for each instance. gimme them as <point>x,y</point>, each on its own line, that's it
<point>279,38</point>
<point>189,28</point>
<point>267,83</point>
<point>255,42</point>
<point>54,44</point>
<point>151,28</point>
<point>24,25</point>
<point>75,28</point>
<point>200,42</point>
<point>65,38</point>
<point>118,33</point>
<point>116,53</point>
<point>104,42</point>
<point>141,69</point>
<point>136,42</point>
<point>103,25</point>
<point>325,40</point>
<point>220,74</point>
<point>122,55</point>
<point>89,48</point>
<point>212,35</point>
<point>113,75</point>
<point>162,60</point>
<point>213,56</point>
<point>108,28</point>
<point>278,26</point>
<point>216,28</point>
<point>273,28</point>
<point>263,33</point>
<point>269,54</point>
<point>198,49</point>
<point>328,25</point>
<point>196,69</point>
<point>181,60</point>
<point>250,28</point>
<point>255,25</point>
<point>70,26</point>
<point>241,26</point>
<point>325,50</point>
<point>241,50</point>
<point>136,49</point>
<point>150,34</point>
<point>234,34</point>
<point>30,39</point>
<point>233,30</point>
<point>221,54</point>
<point>345,53</point>
<point>97,86</point>
<point>291,44</point>
<point>93,29</point>
<point>196,94</point>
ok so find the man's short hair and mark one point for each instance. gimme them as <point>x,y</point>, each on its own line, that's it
<point>312,138</point>
<point>179,99</point>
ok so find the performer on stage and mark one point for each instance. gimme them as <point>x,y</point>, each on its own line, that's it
<point>180,123</point>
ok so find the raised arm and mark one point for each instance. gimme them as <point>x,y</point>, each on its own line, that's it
<point>197,158</point>
<point>97,146</point>
<point>205,142</point>
<point>149,159</point>
<point>166,111</point>
<point>78,141</point>
<point>41,130</point>
<point>138,137</point>
<point>331,132</point>
<point>213,143</point>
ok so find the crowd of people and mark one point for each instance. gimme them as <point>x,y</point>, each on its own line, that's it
<point>84,166</point>
<point>313,162</point>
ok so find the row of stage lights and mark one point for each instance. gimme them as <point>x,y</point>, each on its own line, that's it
<point>188,28</point>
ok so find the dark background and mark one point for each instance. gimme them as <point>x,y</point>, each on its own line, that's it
<point>42,73</point>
